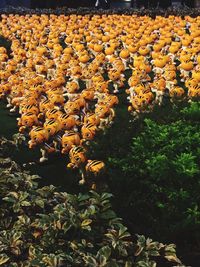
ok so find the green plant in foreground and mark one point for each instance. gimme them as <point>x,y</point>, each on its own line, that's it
<point>158,178</point>
<point>45,227</point>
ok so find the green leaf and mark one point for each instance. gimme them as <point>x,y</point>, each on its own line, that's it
<point>25,204</point>
<point>128,264</point>
<point>108,215</point>
<point>13,194</point>
<point>142,264</point>
<point>105,251</point>
<point>66,226</point>
<point>32,252</point>
<point>173,258</point>
<point>91,261</point>
<point>122,232</point>
<point>86,222</point>
<point>82,197</point>
<point>40,203</point>
<point>106,196</point>
<point>3,259</point>
<point>102,260</point>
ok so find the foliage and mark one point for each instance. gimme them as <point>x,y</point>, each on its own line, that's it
<point>44,227</point>
<point>159,176</point>
<point>193,112</point>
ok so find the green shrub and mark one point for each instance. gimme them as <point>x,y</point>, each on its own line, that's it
<point>157,179</point>
<point>45,227</point>
<point>193,112</point>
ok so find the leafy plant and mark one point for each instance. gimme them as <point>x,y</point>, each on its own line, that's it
<point>45,227</point>
<point>193,112</point>
<point>158,176</point>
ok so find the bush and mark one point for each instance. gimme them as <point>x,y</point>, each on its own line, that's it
<point>44,227</point>
<point>157,179</point>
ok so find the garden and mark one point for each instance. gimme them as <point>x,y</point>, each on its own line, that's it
<point>99,138</point>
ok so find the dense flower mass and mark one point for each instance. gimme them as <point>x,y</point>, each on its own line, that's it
<point>65,74</point>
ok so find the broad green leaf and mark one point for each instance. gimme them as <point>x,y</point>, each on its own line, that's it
<point>105,251</point>
<point>107,215</point>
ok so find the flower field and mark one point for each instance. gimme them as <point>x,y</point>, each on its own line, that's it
<point>65,74</point>
<point>116,96</point>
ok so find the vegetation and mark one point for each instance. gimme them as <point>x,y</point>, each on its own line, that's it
<point>156,177</point>
<point>151,151</point>
<point>44,227</point>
